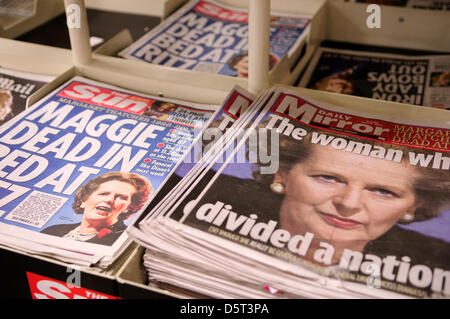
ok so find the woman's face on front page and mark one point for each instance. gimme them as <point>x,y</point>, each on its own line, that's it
<point>344,197</point>
<point>242,67</point>
<point>336,85</point>
<point>107,202</point>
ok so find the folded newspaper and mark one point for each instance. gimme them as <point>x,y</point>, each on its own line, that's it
<point>418,80</point>
<point>15,88</point>
<point>300,198</point>
<point>209,36</point>
<point>80,164</point>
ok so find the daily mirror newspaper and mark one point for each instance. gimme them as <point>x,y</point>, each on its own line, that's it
<point>76,167</point>
<point>418,80</point>
<point>15,88</point>
<point>210,37</point>
<point>359,197</point>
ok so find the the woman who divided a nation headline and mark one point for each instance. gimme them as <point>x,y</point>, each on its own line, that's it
<point>105,202</point>
<point>346,199</point>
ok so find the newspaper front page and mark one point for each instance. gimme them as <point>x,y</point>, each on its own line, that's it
<point>358,201</point>
<point>77,166</point>
<point>211,37</point>
<point>418,80</point>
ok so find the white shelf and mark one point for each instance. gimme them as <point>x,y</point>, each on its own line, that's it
<point>202,87</point>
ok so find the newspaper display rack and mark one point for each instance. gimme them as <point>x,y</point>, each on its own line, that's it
<point>402,27</point>
<point>330,21</point>
<point>149,79</point>
<point>26,270</point>
<point>157,8</point>
<point>41,12</point>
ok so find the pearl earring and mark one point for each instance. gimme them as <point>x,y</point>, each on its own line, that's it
<point>407,218</point>
<point>277,188</point>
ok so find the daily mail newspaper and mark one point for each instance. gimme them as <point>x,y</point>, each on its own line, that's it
<point>15,88</point>
<point>210,37</point>
<point>77,166</point>
<point>357,196</point>
<point>418,80</point>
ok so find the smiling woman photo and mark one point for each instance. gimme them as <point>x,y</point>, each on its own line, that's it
<point>105,202</point>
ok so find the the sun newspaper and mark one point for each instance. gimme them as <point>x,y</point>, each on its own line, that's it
<point>79,165</point>
<point>211,37</point>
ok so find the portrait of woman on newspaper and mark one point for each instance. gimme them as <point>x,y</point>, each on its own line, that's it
<point>239,63</point>
<point>160,110</point>
<point>105,202</point>
<point>339,82</point>
<point>440,79</point>
<point>6,101</point>
<point>348,200</point>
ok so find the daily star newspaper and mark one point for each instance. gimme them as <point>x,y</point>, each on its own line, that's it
<point>359,198</point>
<point>418,80</point>
<point>211,37</point>
<point>15,88</point>
<point>82,132</point>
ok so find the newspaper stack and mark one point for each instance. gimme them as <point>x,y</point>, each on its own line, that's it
<point>79,165</point>
<point>209,36</point>
<point>418,80</point>
<point>309,200</point>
